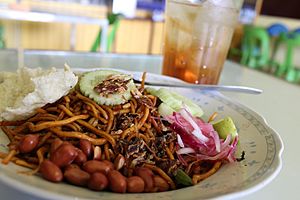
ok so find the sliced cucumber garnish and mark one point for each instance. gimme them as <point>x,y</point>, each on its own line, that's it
<point>172,101</point>
<point>165,110</point>
<point>224,127</point>
<point>107,87</point>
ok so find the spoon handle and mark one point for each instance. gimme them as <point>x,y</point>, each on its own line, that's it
<point>228,88</point>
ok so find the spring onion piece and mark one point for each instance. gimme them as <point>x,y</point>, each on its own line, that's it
<point>182,178</point>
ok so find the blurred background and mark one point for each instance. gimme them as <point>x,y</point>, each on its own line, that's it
<point>139,30</point>
<point>77,24</point>
<point>265,39</point>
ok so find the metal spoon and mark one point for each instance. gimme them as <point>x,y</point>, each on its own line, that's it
<point>228,88</point>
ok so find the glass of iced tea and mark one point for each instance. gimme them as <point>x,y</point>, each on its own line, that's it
<point>197,38</point>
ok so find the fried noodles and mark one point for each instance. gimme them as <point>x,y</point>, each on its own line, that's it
<point>134,130</point>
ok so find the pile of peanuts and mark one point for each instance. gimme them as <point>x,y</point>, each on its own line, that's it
<point>82,166</point>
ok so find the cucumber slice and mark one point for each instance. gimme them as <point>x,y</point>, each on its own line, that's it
<point>175,101</point>
<point>90,80</point>
<point>165,110</point>
<point>152,91</point>
<point>224,127</point>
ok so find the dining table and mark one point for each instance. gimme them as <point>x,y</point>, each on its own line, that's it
<point>279,104</point>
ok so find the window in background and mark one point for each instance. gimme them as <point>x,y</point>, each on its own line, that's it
<point>287,8</point>
<point>156,7</point>
<point>151,4</point>
<point>250,10</point>
<point>248,13</point>
<point>126,8</point>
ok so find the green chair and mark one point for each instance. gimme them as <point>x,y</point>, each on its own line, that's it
<point>276,67</point>
<point>255,47</point>
<point>287,68</point>
<point>293,75</point>
<point>114,21</point>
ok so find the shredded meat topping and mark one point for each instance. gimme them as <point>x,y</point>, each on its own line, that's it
<point>126,120</point>
<point>113,84</point>
<point>142,99</point>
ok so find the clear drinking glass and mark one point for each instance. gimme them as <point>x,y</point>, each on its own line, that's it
<point>197,38</point>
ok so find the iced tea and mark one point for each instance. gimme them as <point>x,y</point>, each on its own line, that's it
<point>197,38</point>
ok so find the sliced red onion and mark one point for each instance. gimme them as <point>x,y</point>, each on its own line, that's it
<point>179,156</point>
<point>186,150</point>
<point>231,157</point>
<point>219,156</point>
<point>198,138</point>
<point>179,140</point>
<point>226,142</point>
<point>216,139</point>
<point>197,131</point>
<point>188,139</point>
<point>235,141</point>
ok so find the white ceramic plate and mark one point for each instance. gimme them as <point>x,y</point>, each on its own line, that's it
<point>262,163</point>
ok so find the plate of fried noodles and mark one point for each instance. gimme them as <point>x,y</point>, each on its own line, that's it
<point>112,138</point>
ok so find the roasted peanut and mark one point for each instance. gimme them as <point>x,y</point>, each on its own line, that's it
<point>93,166</point>
<point>135,184</point>
<point>119,162</point>
<point>97,153</point>
<point>64,155</point>
<point>50,171</point>
<point>98,181</point>
<point>55,144</point>
<point>110,164</point>
<point>86,147</point>
<point>117,181</point>
<point>147,176</point>
<point>77,176</point>
<point>71,166</point>
<point>28,143</point>
<point>161,184</point>
<point>80,158</point>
